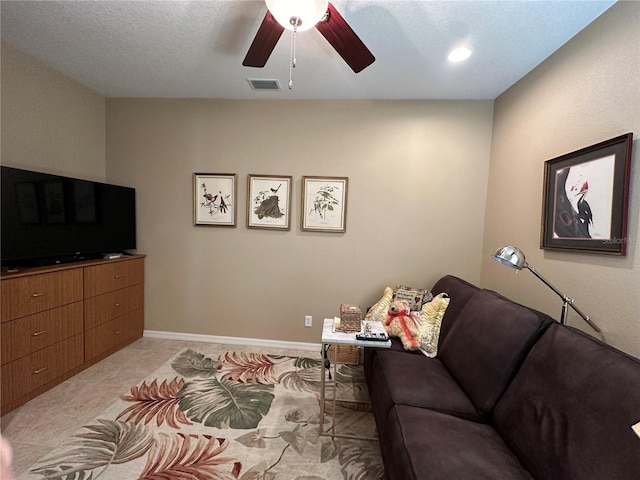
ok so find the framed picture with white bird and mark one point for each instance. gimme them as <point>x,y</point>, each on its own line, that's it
<point>269,202</point>
<point>324,204</point>
<point>585,199</point>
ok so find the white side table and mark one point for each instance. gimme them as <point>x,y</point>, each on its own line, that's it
<point>330,337</point>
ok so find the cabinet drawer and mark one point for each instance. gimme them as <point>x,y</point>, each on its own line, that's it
<point>105,278</point>
<point>102,308</point>
<point>116,332</point>
<point>24,336</point>
<point>100,339</point>
<point>33,371</point>
<point>36,293</point>
<point>131,326</point>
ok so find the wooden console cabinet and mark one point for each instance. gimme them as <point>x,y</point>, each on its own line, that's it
<point>56,321</point>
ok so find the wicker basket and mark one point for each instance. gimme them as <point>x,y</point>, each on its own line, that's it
<point>343,354</point>
<point>350,318</point>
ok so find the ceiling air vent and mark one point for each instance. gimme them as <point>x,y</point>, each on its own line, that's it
<point>264,83</point>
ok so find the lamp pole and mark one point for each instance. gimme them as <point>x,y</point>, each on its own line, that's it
<point>513,257</point>
<point>566,301</point>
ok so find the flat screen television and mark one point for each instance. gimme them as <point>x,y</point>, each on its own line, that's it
<point>48,219</point>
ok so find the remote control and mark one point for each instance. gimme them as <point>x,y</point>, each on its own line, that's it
<point>370,336</point>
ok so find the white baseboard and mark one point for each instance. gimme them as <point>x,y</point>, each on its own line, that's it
<point>255,342</point>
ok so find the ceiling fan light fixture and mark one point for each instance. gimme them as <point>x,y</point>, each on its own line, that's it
<point>459,54</point>
<point>299,14</point>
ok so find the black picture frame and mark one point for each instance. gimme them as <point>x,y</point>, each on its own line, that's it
<point>55,207</point>
<point>27,202</point>
<point>585,199</point>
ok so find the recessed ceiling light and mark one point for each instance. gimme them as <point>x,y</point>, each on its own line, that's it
<point>459,54</point>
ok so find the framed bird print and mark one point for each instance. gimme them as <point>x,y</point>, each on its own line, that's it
<point>214,199</point>
<point>324,204</point>
<point>585,200</point>
<point>269,202</point>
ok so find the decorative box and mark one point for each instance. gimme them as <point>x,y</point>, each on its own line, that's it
<point>345,354</point>
<point>350,318</point>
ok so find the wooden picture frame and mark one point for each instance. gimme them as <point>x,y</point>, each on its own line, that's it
<point>215,196</point>
<point>324,204</point>
<point>585,199</point>
<point>269,202</point>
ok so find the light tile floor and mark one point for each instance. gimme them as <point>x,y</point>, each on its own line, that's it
<point>35,428</point>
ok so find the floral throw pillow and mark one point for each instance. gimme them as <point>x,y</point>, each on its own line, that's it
<point>379,311</point>
<point>430,322</point>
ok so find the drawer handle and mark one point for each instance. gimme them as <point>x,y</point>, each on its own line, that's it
<point>117,276</point>
<point>40,370</point>
<point>118,332</point>
<point>117,305</point>
<point>36,295</point>
<point>35,334</point>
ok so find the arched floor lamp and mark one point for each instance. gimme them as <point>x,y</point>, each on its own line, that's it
<point>514,258</point>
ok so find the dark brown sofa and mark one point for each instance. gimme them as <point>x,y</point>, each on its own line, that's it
<point>512,394</point>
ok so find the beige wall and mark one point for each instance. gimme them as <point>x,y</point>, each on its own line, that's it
<point>50,123</point>
<point>417,186</point>
<point>586,92</point>
<point>418,181</point>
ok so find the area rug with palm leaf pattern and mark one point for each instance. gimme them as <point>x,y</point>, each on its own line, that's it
<point>225,416</point>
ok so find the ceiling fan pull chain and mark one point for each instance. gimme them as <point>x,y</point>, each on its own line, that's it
<point>292,57</point>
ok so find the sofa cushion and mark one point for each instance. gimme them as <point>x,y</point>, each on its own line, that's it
<point>417,381</point>
<point>421,444</point>
<point>568,412</point>
<point>369,355</point>
<point>459,291</point>
<point>487,343</point>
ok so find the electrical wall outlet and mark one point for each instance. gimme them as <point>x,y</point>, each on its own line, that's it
<point>308,320</point>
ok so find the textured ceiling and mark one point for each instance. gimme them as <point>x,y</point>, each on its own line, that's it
<point>194,49</point>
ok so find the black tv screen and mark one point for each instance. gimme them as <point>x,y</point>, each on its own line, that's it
<point>48,219</point>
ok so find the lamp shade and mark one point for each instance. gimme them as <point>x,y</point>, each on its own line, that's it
<point>303,14</point>
<point>510,256</point>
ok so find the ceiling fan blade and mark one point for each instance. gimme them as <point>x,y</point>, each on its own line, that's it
<point>264,42</point>
<point>345,41</point>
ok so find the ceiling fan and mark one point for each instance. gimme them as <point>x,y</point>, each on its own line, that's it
<point>299,15</point>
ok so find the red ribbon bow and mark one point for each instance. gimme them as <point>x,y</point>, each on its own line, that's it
<point>401,313</point>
